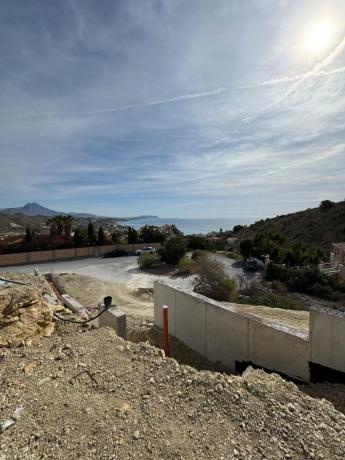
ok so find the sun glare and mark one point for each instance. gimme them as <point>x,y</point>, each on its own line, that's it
<point>319,37</point>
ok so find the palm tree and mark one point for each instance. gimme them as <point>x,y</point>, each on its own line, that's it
<point>59,224</point>
<point>53,226</point>
<point>67,224</point>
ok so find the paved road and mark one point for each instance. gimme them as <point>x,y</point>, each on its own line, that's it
<point>120,270</point>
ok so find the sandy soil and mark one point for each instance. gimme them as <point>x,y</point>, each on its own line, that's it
<point>90,291</point>
<point>298,320</point>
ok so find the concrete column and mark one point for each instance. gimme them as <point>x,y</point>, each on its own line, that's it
<point>114,318</point>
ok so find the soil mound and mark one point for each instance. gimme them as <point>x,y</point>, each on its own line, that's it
<point>92,395</point>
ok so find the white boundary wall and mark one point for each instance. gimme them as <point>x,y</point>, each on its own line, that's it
<point>327,330</point>
<point>222,335</point>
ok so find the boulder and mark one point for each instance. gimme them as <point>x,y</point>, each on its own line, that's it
<point>24,315</point>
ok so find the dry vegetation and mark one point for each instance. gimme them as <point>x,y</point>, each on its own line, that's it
<point>316,227</point>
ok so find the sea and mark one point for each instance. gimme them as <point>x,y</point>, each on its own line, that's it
<point>193,225</point>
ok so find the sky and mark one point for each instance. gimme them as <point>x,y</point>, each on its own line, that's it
<point>177,108</point>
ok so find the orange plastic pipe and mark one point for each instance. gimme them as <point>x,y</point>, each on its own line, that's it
<point>166,331</point>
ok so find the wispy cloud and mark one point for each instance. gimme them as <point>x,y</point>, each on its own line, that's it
<point>135,107</point>
<point>182,97</point>
<point>317,70</point>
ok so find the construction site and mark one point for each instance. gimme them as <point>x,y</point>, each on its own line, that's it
<point>106,389</point>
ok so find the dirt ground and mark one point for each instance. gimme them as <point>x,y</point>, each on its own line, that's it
<point>295,319</point>
<point>90,291</point>
<point>88,394</point>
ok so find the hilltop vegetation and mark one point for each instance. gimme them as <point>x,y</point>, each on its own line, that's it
<point>32,222</point>
<point>317,227</point>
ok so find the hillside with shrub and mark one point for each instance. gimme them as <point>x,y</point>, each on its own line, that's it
<point>317,227</point>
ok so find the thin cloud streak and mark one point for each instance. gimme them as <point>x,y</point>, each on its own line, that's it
<point>299,77</point>
<point>183,97</point>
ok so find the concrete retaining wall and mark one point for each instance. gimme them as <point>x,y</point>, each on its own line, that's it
<point>327,330</point>
<point>279,350</point>
<point>226,336</point>
<point>222,334</point>
<point>72,253</point>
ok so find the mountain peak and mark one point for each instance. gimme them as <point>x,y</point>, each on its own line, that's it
<point>31,209</point>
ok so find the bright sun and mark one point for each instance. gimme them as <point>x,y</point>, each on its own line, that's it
<point>319,37</point>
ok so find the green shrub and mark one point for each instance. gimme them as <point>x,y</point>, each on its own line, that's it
<point>326,204</point>
<point>246,248</point>
<point>308,280</point>
<point>186,266</point>
<point>173,250</point>
<point>198,253</point>
<point>198,242</point>
<point>277,272</point>
<point>237,228</point>
<point>146,260</point>
<point>279,286</point>
<point>212,281</point>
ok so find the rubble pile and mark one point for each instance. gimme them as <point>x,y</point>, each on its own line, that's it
<point>89,394</point>
<point>25,314</point>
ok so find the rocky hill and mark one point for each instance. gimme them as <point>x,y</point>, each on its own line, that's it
<point>30,209</point>
<point>317,227</point>
<point>35,209</point>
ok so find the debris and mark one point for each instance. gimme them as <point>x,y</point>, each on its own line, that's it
<point>28,368</point>
<point>81,373</point>
<point>11,420</point>
<point>24,314</point>
<point>6,281</point>
<point>43,381</point>
<point>75,306</point>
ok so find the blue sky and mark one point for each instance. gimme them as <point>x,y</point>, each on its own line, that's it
<point>187,108</point>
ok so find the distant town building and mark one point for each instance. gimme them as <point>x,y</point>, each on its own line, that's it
<point>231,241</point>
<point>45,230</point>
<point>16,226</point>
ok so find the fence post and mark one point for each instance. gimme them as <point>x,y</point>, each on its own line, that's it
<point>166,330</point>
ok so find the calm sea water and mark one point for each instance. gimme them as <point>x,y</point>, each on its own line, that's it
<point>190,226</point>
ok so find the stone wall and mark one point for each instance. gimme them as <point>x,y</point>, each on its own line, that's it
<point>72,253</point>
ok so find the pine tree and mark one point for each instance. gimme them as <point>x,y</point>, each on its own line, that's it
<point>91,233</point>
<point>28,235</point>
<point>132,235</point>
<point>101,235</point>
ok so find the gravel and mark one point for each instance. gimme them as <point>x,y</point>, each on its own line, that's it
<point>89,394</point>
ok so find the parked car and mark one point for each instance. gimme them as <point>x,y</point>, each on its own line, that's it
<point>145,250</point>
<point>254,264</point>
<point>116,253</point>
